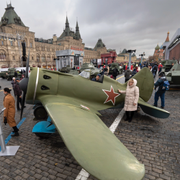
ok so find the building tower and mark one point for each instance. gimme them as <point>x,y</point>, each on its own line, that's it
<point>167,39</point>
<point>67,29</point>
<point>10,17</point>
<point>77,33</point>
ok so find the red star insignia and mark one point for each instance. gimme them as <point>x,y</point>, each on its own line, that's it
<point>111,95</point>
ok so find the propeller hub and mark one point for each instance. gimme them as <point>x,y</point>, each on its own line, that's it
<point>23,84</point>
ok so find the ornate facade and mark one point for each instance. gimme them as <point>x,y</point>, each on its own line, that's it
<point>123,57</point>
<point>41,52</point>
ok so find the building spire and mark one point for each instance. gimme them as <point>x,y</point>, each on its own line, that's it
<point>167,39</point>
<point>77,33</point>
<point>67,22</point>
<point>77,27</point>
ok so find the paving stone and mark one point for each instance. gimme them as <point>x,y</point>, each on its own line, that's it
<point>154,142</point>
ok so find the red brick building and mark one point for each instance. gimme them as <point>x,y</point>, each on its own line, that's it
<point>109,57</point>
<point>172,47</point>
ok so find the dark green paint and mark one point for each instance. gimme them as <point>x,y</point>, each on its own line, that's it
<point>89,140</point>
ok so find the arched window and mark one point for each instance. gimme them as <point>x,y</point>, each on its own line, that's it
<point>2,55</point>
<point>38,58</point>
<point>48,58</point>
<point>53,57</point>
<point>43,58</point>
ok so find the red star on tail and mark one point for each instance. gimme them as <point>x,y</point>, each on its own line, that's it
<point>111,95</point>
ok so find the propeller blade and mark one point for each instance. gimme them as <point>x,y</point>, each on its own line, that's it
<point>24,84</point>
<point>22,104</point>
<point>27,65</point>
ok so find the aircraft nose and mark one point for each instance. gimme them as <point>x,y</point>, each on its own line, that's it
<point>23,84</point>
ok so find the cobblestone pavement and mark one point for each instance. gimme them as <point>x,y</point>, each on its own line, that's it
<point>155,143</point>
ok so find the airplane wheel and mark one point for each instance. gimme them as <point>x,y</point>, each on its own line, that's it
<point>40,113</point>
<point>43,135</point>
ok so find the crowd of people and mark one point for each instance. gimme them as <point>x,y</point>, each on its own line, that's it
<point>131,97</point>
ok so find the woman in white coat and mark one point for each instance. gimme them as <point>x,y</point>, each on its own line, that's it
<point>131,99</point>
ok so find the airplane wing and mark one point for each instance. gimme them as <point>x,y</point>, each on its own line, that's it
<point>152,110</point>
<point>89,140</point>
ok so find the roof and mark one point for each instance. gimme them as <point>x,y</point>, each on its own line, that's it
<point>99,44</point>
<point>167,39</point>
<point>49,41</point>
<point>124,51</point>
<point>133,55</point>
<point>68,32</point>
<point>175,39</point>
<point>157,47</point>
<point>111,50</point>
<point>10,17</point>
<point>121,55</point>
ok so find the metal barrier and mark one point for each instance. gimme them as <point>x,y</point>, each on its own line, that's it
<point>2,142</point>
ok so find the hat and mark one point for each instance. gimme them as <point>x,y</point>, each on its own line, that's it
<point>161,74</point>
<point>7,90</point>
<point>17,79</point>
<point>99,75</point>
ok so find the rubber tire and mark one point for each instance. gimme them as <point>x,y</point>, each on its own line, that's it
<point>40,113</point>
<point>43,135</point>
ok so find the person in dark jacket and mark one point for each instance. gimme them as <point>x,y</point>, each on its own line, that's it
<point>15,74</point>
<point>115,73</point>
<point>97,78</point>
<point>160,92</point>
<point>134,71</point>
<point>18,93</point>
<point>154,70</point>
<point>127,75</point>
<point>13,84</point>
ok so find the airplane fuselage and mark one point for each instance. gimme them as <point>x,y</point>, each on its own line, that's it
<point>45,82</point>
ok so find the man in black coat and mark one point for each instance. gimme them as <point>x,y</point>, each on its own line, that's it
<point>160,92</point>
<point>15,74</point>
<point>115,73</point>
<point>127,74</point>
<point>18,93</point>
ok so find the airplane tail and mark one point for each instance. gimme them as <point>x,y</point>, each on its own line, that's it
<point>145,82</point>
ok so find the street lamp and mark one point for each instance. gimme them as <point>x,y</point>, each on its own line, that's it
<point>142,56</point>
<point>130,52</point>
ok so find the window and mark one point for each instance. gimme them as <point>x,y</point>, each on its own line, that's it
<point>2,56</point>
<point>32,58</point>
<point>38,58</point>
<point>48,58</point>
<point>85,74</point>
<point>13,57</point>
<point>2,42</point>
<point>11,43</point>
<point>43,59</point>
<point>31,45</point>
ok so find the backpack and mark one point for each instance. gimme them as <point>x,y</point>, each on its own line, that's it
<point>114,72</point>
<point>165,86</point>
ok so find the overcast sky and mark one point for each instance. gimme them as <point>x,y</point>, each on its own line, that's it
<point>130,24</point>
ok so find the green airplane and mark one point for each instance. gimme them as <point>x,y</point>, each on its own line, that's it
<point>73,102</point>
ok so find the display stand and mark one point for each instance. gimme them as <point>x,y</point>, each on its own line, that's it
<point>6,150</point>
